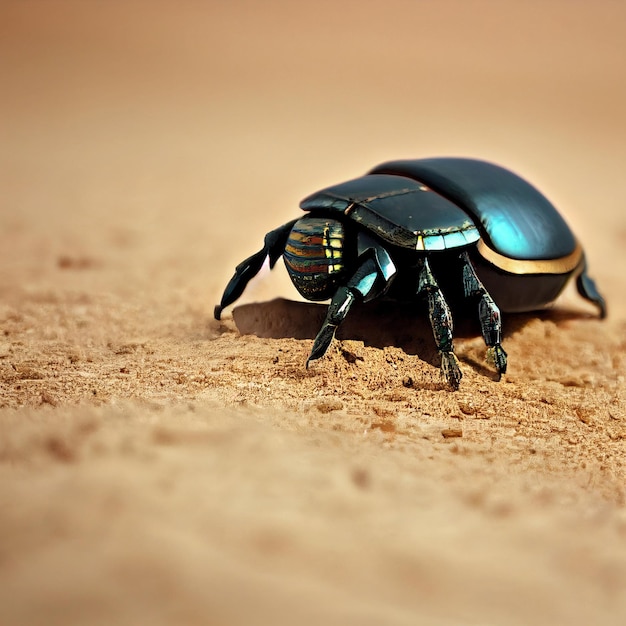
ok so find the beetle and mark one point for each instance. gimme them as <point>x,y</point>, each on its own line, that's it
<point>439,229</point>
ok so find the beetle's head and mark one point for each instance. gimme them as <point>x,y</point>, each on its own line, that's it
<point>314,256</point>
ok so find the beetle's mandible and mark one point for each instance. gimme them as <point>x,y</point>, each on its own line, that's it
<point>437,229</point>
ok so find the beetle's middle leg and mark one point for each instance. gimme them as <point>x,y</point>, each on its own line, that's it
<point>441,322</point>
<point>488,314</point>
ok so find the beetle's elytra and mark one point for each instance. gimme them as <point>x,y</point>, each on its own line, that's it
<point>437,229</point>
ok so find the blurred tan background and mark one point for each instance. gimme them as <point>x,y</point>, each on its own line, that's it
<point>158,467</point>
<point>163,109</point>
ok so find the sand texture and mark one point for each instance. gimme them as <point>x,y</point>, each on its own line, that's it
<point>161,467</point>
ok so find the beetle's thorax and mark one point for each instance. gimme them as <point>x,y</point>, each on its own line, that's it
<point>314,256</point>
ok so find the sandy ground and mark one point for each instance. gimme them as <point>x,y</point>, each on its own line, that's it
<point>159,467</point>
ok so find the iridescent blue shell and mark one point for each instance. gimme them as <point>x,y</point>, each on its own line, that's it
<point>515,219</point>
<point>399,210</point>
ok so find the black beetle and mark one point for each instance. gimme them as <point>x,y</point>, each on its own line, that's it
<point>467,228</point>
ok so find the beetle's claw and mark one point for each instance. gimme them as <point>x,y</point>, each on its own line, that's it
<point>338,308</point>
<point>321,343</point>
<point>497,357</point>
<point>450,369</point>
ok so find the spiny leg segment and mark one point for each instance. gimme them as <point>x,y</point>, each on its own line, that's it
<point>273,248</point>
<point>441,322</point>
<point>371,279</point>
<point>364,285</point>
<point>488,314</point>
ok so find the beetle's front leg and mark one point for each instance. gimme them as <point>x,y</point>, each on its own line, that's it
<point>441,322</point>
<point>371,279</point>
<point>273,247</point>
<point>488,314</point>
<point>337,310</point>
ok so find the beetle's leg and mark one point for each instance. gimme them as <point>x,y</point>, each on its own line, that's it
<point>441,322</point>
<point>273,247</point>
<point>488,314</point>
<point>360,286</point>
<point>372,278</point>
<point>587,289</point>
<point>337,310</point>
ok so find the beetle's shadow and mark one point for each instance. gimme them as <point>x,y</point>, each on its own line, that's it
<point>378,324</point>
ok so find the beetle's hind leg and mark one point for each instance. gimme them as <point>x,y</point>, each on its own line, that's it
<point>488,314</point>
<point>588,290</point>
<point>273,248</point>
<point>441,322</point>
